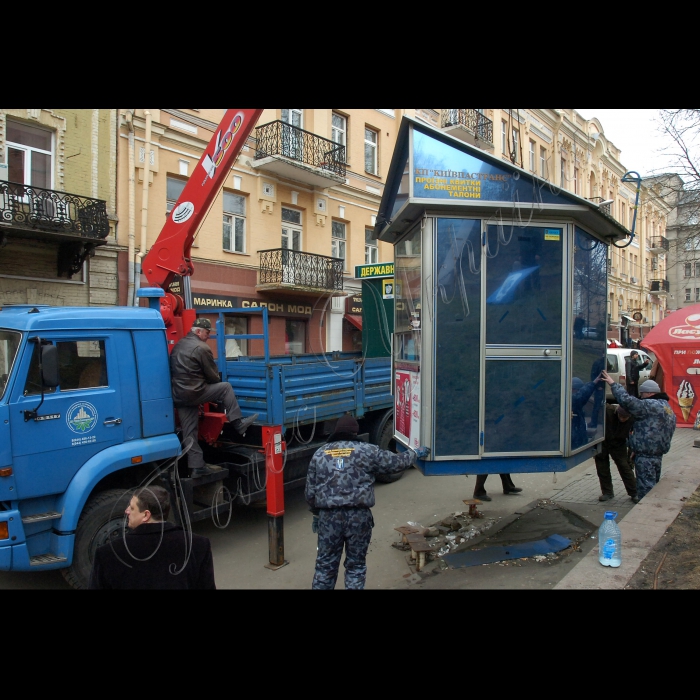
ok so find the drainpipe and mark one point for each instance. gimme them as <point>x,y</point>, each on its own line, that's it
<point>129,118</point>
<point>144,204</point>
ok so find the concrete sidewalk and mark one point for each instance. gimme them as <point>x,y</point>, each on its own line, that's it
<point>646,523</point>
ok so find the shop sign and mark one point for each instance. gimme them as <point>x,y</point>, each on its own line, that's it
<point>353,304</point>
<point>374,271</point>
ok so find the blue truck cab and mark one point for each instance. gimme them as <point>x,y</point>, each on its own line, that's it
<point>87,416</point>
<point>98,431</point>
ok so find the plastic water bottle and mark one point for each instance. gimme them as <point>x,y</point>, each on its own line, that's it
<point>610,541</point>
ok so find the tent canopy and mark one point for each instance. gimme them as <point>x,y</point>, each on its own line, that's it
<point>675,341</point>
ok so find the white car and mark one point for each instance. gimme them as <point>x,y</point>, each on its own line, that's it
<point>616,367</point>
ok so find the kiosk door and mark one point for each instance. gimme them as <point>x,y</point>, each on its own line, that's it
<point>523,342</point>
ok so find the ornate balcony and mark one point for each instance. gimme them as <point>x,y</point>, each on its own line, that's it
<point>293,270</point>
<point>78,224</point>
<point>660,287</point>
<point>658,244</point>
<point>24,208</point>
<point>299,155</point>
<point>469,125</point>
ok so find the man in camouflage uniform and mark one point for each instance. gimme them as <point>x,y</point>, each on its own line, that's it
<point>340,493</point>
<point>653,429</point>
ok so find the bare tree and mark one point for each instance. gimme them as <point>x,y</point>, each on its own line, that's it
<point>679,185</point>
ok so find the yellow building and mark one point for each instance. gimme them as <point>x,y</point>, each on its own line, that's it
<point>292,221</point>
<point>58,207</point>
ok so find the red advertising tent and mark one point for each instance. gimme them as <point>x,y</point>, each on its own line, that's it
<point>676,343</point>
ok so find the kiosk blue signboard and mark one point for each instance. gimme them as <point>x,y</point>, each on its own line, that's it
<point>492,265</point>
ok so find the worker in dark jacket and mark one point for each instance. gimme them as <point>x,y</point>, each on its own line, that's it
<point>618,423</point>
<point>195,380</point>
<point>633,366</point>
<point>340,493</point>
<point>153,554</point>
<point>654,426</point>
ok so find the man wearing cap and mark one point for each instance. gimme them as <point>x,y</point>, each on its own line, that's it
<point>633,367</point>
<point>654,426</point>
<point>618,422</point>
<point>195,380</point>
<point>340,493</point>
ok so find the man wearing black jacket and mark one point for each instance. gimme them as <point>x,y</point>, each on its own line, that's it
<point>634,367</point>
<point>618,423</point>
<point>153,554</point>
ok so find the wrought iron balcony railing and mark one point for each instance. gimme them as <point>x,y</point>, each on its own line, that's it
<point>285,266</point>
<point>659,286</point>
<point>658,244</point>
<point>281,139</point>
<point>52,211</point>
<point>471,119</point>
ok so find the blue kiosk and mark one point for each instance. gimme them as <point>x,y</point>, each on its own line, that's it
<point>497,273</point>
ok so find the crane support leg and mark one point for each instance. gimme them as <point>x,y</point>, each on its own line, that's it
<point>274,462</point>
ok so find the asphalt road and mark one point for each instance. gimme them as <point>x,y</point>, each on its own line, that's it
<point>241,549</point>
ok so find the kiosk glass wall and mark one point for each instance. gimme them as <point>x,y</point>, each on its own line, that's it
<point>589,302</point>
<point>457,294</point>
<point>407,337</point>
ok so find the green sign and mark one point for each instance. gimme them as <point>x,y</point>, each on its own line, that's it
<point>378,270</point>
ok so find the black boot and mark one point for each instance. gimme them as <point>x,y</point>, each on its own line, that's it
<point>242,424</point>
<point>509,487</point>
<point>479,490</point>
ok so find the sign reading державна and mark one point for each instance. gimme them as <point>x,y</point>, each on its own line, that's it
<point>378,270</point>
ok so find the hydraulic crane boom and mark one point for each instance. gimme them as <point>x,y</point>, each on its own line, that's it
<point>170,254</point>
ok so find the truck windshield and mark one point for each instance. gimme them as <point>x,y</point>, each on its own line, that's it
<point>9,343</point>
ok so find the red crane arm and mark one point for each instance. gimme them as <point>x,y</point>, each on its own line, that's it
<point>170,254</point>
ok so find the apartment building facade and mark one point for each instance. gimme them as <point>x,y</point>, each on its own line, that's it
<point>58,207</point>
<point>288,228</point>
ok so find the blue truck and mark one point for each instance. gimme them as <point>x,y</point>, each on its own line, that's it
<point>86,416</point>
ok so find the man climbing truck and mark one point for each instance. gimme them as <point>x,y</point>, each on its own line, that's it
<point>86,408</point>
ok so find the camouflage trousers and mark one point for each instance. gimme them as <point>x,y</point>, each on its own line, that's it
<point>338,528</point>
<point>648,468</point>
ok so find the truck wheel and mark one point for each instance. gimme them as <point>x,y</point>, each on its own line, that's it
<point>387,442</point>
<point>102,519</point>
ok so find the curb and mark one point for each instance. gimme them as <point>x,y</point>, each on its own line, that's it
<point>644,525</point>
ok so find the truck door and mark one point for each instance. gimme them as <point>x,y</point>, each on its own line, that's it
<point>78,418</point>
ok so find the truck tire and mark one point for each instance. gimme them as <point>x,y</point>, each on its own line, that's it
<point>386,442</point>
<point>102,519</point>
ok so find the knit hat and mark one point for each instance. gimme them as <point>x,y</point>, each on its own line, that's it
<point>649,387</point>
<point>202,323</point>
<point>576,383</point>
<point>347,424</point>
<point>622,412</point>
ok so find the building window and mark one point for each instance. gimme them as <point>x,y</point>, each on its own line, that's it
<point>543,162</point>
<point>234,223</point>
<point>623,263</point>
<point>173,190</point>
<point>504,138</point>
<point>339,130</point>
<point>338,242</point>
<point>291,229</point>
<point>697,269</point>
<point>29,155</point>
<point>697,293</point>
<point>623,214</point>
<point>295,337</point>
<point>371,249</point>
<point>562,174</point>
<point>687,294</point>
<point>688,269</point>
<point>516,146</point>
<point>532,155</point>
<point>236,347</point>
<point>371,151</point>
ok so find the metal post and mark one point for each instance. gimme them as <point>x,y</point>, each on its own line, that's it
<point>274,446</point>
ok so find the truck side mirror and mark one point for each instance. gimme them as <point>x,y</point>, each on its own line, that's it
<point>49,366</point>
